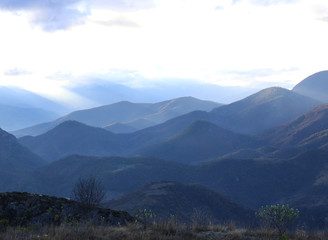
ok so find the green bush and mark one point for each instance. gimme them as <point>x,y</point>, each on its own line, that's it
<point>145,216</point>
<point>281,217</point>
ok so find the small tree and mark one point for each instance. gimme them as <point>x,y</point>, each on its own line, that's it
<point>146,216</point>
<point>89,191</point>
<point>278,216</point>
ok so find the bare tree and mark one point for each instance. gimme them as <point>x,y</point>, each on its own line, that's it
<point>89,191</point>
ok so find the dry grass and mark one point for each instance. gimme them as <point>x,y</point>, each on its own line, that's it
<point>160,231</point>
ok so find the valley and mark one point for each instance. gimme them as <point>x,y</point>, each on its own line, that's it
<point>185,156</point>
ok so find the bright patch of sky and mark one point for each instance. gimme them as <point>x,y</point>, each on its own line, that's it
<point>47,46</point>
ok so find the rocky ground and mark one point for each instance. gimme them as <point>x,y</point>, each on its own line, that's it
<point>24,209</point>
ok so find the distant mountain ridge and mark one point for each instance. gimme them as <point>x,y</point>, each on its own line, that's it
<point>200,141</point>
<point>72,137</point>
<point>13,118</point>
<point>130,116</point>
<point>314,86</point>
<point>17,97</point>
<point>309,130</point>
<point>263,110</point>
<point>268,108</point>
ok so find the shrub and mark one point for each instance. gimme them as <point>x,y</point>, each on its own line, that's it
<point>145,216</point>
<point>281,217</point>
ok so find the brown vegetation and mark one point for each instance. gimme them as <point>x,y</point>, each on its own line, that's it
<point>162,231</point>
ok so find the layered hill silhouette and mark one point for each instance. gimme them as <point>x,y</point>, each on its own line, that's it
<point>200,141</point>
<point>174,138</point>
<point>72,137</point>
<point>15,161</point>
<point>266,109</point>
<point>188,203</point>
<point>15,157</point>
<point>307,131</point>
<point>251,182</point>
<point>13,118</point>
<point>283,160</point>
<point>258,182</point>
<point>129,116</point>
<point>119,175</point>
<point>263,110</point>
<point>314,86</point>
<point>21,98</point>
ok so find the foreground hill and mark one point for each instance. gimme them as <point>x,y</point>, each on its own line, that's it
<point>133,116</point>
<point>72,137</point>
<point>263,110</point>
<point>200,141</point>
<point>23,209</point>
<point>314,86</point>
<point>187,202</point>
<point>307,131</point>
<point>248,181</point>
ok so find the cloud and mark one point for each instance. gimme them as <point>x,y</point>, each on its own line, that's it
<point>120,21</point>
<point>321,13</point>
<point>265,2</point>
<point>271,2</point>
<point>123,5</point>
<point>16,72</point>
<point>50,15</point>
<point>219,7</point>
<point>264,72</point>
<point>53,15</point>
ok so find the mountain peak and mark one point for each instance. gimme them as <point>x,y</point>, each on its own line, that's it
<point>265,109</point>
<point>314,86</point>
<point>269,94</point>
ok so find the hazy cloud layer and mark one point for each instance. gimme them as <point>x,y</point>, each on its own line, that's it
<point>122,5</point>
<point>321,12</point>
<point>121,21</point>
<point>219,7</point>
<point>265,2</point>
<point>61,14</point>
<point>16,72</point>
<point>258,72</point>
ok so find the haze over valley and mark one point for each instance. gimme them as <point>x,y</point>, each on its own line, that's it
<point>162,119</point>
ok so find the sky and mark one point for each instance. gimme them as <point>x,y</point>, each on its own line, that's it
<point>50,46</point>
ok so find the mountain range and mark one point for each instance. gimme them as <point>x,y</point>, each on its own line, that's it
<point>174,138</point>
<point>126,116</point>
<point>270,147</point>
